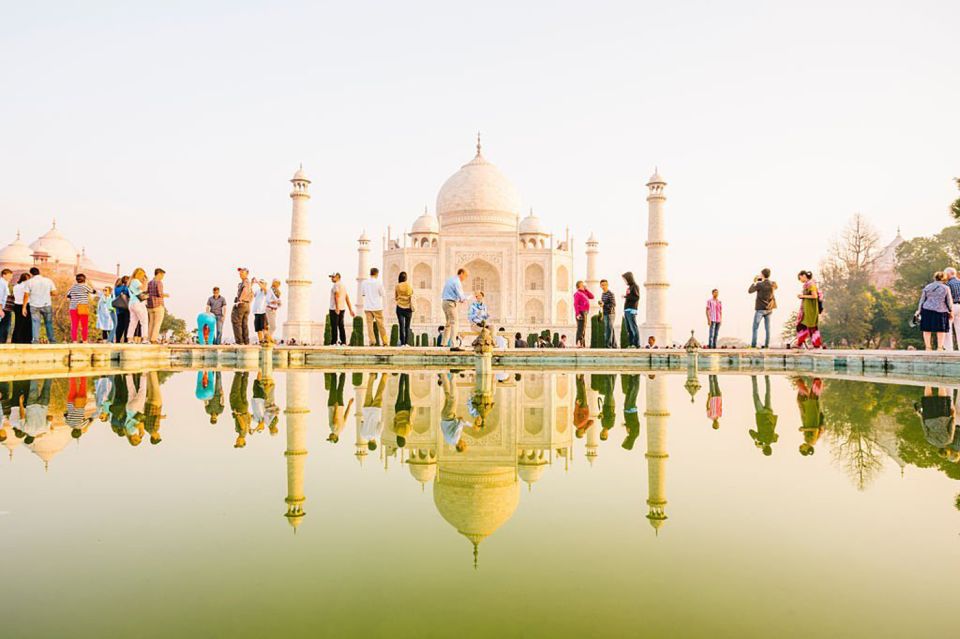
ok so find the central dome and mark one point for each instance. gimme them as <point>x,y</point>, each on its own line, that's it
<point>478,197</point>
<point>56,247</point>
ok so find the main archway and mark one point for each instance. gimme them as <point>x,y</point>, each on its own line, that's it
<point>484,276</point>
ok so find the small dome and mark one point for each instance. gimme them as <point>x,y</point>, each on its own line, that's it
<point>55,246</point>
<point>478,195</point>
<point>17,252</point>
<point>592,239</point>
<point>50,443</point>
<point>423,472</point>
<point>364,237</point>
<point>426,223</point>
<point>656,178</point>
<point>531,473</point>
<point>300,176</point>
<point>530,225</point>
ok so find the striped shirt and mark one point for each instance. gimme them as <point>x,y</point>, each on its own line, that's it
<point>714,310</point>
<point>954,284</point>
<point>78,294</point>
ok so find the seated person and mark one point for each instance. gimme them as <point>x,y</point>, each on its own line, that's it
<point>478,313</point>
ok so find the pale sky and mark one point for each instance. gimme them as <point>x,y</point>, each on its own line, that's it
<point>165,134</point>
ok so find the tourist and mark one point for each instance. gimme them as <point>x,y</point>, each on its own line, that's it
<point>240,405</point>
<point>582,422</point>
<point>273,305</point>
<point>216,306</point>
<point>401,411</point>
<point>451,297</point>
<point>764,305</point>
<point>138,307</point>
<point>606,385</point>
<point>79,302</point>
<point>339,304</point>
<point>106,315</point>
<point>714,317</point>
<point>439,340</point>
<point>581,309</point>
<point>953,282</point>
<point>808,317</point>
<point>136,403</point>
<point>37,418</point>
<point>39,292</point>
<point>811,415</point>
<point>121,304</point>
<point>766,434</point>
<point>240,315</point>
<point>75,415</point>
<point>936,311</point>
<point>937,416</point>
<point>371,298</point>
<point>403,296</point>
<point>631,303</point>
<point>155,305</point>
<point>371,422</point>
<point>22,327</point>
<point>608,303</point>
<point>338,414</point>
<point>543,342</point>
<point>652,342</point>
<point>631,414</point>
<point>6,304</point>
<point>214,407</point>
<point>259,309</point>
<point>451,426</point>
<point>714,402</point>
<point>500,341</point>
<point>478,314</point>
<point>563,342</point>
<point>518,341</point>
<point>153,407</point>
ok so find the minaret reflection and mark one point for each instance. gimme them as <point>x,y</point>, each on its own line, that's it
<point>656,416</point>
<point>360,443</point>
<point>298,394</point>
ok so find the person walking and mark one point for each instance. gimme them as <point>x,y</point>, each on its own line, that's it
<point>121,304</point>
<point>259,310</point>
<point>155,305</point>
<point>339,305</point>
<point>240,315</point>
<point>138,306</point>
<point>371,296</point>
<point>216,306</point>
<point>450,299</point>
<point>39,296</point>
<point>403,296</point>
<point>631,302</point>
<point>953,283</point>
<point>6,304</point>
<point>764,305</point>
<point>79,302</point>
<point>581,309</point>
<point>23,326</point>
<point>808,318</point>
<point>714,317</point>
<point>273,306</point>
<point>106,315</point>
<point>608,302</point>
<point>936,312</point>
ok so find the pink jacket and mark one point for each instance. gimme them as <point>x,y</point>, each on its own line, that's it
<point>581,301</point>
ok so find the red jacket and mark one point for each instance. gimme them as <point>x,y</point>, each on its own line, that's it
<point>581,301</point>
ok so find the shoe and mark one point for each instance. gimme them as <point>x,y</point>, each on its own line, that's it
<point>456,349</point>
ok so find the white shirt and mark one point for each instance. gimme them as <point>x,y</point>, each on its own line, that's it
<point>370,428</point>
<point>500,341</point>
<point>40,288</point>
<point>259,305</point>
<point>18,291</point>
<point>371,294</point>
<point>273,300</point>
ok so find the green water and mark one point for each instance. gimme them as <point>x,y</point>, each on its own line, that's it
<point>594,505</point>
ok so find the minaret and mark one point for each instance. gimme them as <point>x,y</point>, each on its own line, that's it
<point>358,394</point>
<point>593,280</point>
<point>656,284</point>
<point>363,267</point>
<point>298,325</point>
<point>298,390</point>
<point>656,417</point>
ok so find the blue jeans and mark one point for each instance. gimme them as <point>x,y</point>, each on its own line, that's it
<point>714,332</point>
<point>45,312</point>
<point>633,334</point>
<point>609,337</point>
<point>757,315</point>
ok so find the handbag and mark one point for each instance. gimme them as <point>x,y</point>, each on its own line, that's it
<point>120,301</point>
<point>83,309</point>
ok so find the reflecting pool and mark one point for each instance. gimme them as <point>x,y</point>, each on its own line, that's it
<point>430,503</point>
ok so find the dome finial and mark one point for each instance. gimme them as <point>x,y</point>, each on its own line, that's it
<point>54,223</point>
<point>478,144</point>
<point>18,234</point>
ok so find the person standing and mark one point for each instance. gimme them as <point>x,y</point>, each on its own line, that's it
<point>581,309</point>
<point>23,327</point>
<point>79,302</point>
<point>39,292</point>
<point>240,315</point>
<point>371,296</point>
<point>273,305</point>
<point>451,297</point>
<point>403,295</point>
<point>765,303</point>
<point>138,307</point>
<point>372,411</point>
<point>216,305</point>
<point>766,434</point>
<point>339,305</point>
<point>936,312</point>
<point>714,402</point>
<point>155,307</point>
<point>6,304</point>
<point>259,309</point>
<point>808,319</point>
<point>337,418</point>
<point>953,283</point>
<point>631,302</point>
<point>608,302</point>
<point>121,303</point>
<point>106,317</point>
<point>714,317</point>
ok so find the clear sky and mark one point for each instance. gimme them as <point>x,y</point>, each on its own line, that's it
<point>166,133</point>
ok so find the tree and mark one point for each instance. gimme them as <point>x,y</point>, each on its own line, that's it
<point>884,318</point>
<point>856,249</point>
<point>955,207</point>
<point>176,326</point>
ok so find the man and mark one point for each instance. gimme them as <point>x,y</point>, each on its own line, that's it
<point>563,342</point>
<point>38,294</point>
<point>155,307</point>
<point>518,341</point>
<point>765,303</point>
<point>6,304</point>
<point>372,412</point>
<point>439,340</point>
<point>240,315</point>
<point>766,434</point>
<point>954,283</point>
<point>608,302</point>
<point>240,407</point>
<point>371,297</point>
<point>339,304</point>
<point>451,298</point>
<point>714,317</point>
<point>500,341</point>
<point>216,304</point>
<point>450,423</point>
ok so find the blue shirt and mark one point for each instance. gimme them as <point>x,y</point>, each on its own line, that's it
<point>477,314</point>
<point>954,284</point>
<point>453,290</point>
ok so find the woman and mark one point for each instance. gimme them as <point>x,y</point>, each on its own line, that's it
<point>121,304</point>
<point>79,299</point>
<point>581,309</point>
<point>106,321</point>
<point>138,306</point>
<point>273,305</point>
<point>23,329</point>
<point>403,294</point>
<point>936,312</point>
<point>478,314</point>
<point>808,319</point>
<point>631,300</point>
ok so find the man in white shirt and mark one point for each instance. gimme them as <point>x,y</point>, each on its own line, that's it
<point>500,341</point>
<point>6,310</point>
<point>372,414</point>
<point>39,295</point>
<point>371,296</point>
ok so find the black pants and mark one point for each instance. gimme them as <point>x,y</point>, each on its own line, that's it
<point>23,326</point>
<point>5,325</point>
<point>403,318</point>
<point>338,334</point>
<point>581,329</point>
<point>123,323</point>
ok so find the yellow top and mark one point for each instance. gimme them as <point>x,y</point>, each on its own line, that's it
<point>403,293</point>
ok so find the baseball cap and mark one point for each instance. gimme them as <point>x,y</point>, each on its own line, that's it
<point>334,275</point>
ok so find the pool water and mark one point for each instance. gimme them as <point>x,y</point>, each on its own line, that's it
<point>435,503</point>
